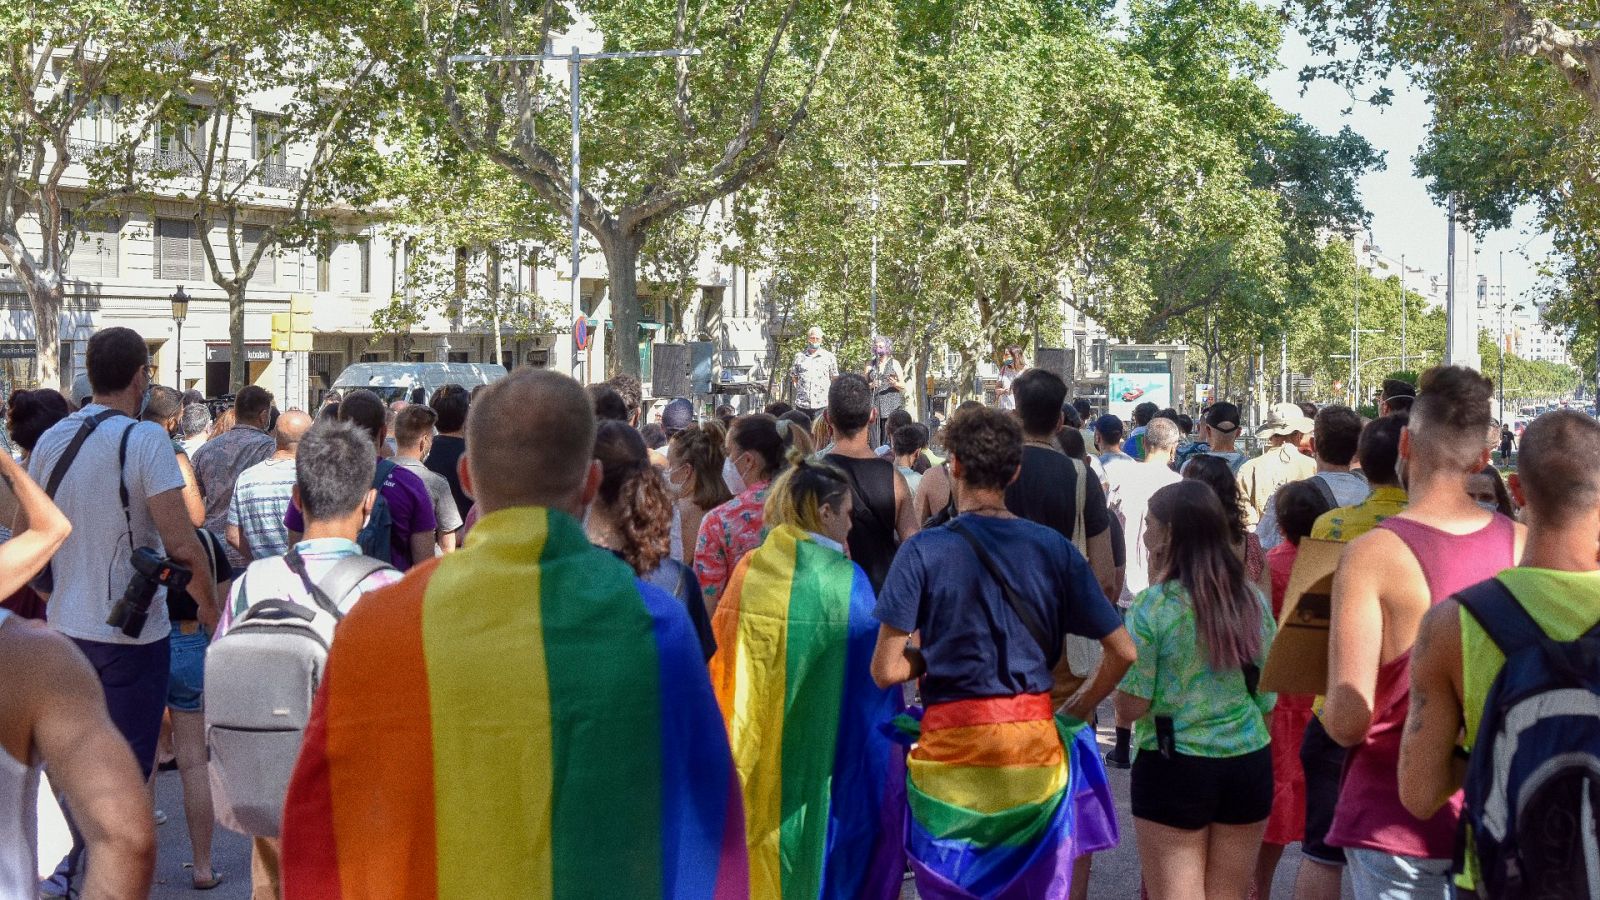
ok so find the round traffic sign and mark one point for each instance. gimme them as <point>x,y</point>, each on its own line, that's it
<point>580,332</point>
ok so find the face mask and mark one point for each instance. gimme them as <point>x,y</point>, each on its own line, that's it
<point>1487,505</point>
<point>881,351</point>
<point>731,477</point>
<point>144,401</point>
<point>1400,472</point>
<point>674,488</point>
<point>813,345</point>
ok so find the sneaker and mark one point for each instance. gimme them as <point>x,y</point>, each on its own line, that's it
<point>1117,762</point>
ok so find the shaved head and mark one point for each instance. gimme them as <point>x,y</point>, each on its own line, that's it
<point>292,427</point>
<point>530,441</point>
<point>1559,466</point>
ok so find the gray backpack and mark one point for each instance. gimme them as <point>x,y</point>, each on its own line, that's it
<point>261,677</point>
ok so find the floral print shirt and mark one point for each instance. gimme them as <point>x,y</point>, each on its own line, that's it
<point>727,533</point>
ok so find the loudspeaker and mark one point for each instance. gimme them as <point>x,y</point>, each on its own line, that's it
<point>669,370</point>
<point>702,366</point>
<point>1054,359</point>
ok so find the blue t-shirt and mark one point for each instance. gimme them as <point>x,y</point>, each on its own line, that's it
<point>972,641</point>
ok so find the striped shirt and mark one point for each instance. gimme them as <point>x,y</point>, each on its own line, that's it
<point>260,498</point>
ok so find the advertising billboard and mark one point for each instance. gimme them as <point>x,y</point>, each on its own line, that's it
<point>1131,382</point>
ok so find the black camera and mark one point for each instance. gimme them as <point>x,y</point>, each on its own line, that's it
<point>150,571</point>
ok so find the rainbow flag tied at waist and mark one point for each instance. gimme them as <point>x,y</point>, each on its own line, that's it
<point>1002,797</point>
<point>522,718</point>
<point>823,783</point>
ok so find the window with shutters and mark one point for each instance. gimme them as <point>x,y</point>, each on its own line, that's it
<point>325,266</point>
<point>178,253</point>
<point>268,145</point>
<point>95,250</point>
<point>98,124</point>
<point>251,237</point>
<point>365,245</point>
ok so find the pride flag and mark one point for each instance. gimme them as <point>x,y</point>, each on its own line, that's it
<point>823,784</point>
<point>522,718</point>
<point>1002,797</point>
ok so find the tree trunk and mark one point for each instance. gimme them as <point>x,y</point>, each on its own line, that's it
<point>239,363</point>
<point>46,298</point>
<point>622,274</point>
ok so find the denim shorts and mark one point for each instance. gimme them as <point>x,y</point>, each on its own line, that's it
<point>1375,875</point>
<point>188,670</point>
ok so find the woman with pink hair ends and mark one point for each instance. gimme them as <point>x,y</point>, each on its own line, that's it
<point>1202,780</point>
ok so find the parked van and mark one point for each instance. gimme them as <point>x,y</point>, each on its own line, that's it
<point>415,381</point>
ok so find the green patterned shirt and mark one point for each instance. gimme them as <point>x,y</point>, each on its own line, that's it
<point>1213,713</point>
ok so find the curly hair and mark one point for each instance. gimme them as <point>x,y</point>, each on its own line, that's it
<point>701,448</point>
<point>631,486</point>
<point>987,443</point>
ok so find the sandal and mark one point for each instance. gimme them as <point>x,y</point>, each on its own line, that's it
<point>199,885</point>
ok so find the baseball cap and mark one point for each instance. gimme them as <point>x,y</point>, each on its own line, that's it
<point>678,415</point>
<point>1222,416</point>
<point>1286,418</point>
<point>1108,426</point>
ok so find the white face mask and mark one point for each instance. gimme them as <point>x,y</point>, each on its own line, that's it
<point>731,477</point>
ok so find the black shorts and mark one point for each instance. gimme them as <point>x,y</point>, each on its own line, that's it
<point>1191,792</point>
<point>1323,763</point>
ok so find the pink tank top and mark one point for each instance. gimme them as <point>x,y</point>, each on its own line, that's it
<point>1370,814</point>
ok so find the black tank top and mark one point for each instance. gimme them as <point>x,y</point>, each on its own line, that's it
<point>873,540</point>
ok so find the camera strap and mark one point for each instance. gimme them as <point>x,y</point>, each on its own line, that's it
<point>71,453</point>
<point>122,479</point>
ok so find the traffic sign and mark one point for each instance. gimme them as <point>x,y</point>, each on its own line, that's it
<point>580,332</point>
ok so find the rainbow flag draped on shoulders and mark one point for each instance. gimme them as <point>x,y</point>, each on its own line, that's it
<point>521,718</point>
<point>1002,797</point>
<point>823,782</point>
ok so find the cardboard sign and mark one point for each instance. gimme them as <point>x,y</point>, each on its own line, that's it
<point>1298,660</point>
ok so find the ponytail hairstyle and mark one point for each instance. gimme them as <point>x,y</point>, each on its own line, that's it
<point>800,493</point>
<point>700,447</point>
<point>758,433</point>
<point>796,438</point>
<point>631,487</point>
<point>1215,471</point>
<point>1199,555</point>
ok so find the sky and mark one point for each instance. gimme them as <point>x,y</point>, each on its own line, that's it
<point>1405,219</point>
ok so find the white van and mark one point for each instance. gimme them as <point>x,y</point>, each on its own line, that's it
<point>415,381</point>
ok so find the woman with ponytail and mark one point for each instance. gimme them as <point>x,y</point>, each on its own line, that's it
<point>795,632</point>
<point>632,517</point>
<point>1202,780</point>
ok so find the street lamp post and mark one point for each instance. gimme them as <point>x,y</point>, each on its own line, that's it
<point>180,311</point>
<point>575,60</point>
<point>872,198</point>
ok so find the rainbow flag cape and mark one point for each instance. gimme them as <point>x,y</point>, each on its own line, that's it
<point>1002,797</point>
<point>823,784</point>
<point>522,718</point>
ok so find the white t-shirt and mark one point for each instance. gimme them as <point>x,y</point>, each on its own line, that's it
<point>92,569</point>
<point>1134,485</point>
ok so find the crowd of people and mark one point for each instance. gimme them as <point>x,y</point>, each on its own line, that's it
<point>535,639</point>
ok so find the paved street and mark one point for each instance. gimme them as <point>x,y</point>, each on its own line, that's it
<point>1116,874</point>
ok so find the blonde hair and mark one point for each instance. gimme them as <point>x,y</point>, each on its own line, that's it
<point>796,437</point>
<point>799,494</point>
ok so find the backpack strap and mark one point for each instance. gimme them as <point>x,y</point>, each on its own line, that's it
<point>950,510</point>
<point>1325,490</point>
<point>1079,538</point>
<point>381,474</point>
<point>298,566</point>
<point>346,575</point>
<point>1500,616</point>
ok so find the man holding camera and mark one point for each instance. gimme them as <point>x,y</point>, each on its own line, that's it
<point>117,481</point>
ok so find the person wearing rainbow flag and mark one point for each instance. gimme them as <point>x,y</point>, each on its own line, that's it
<point>521,718</point>
<point>823,784</point>
<point>1003,795</point>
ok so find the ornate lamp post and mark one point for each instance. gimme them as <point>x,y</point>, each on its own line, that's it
<point>180,311</point>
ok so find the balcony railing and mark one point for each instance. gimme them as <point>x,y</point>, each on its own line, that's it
<point>177,162</point>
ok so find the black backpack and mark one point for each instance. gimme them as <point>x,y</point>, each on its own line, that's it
<point>1533,780</point>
